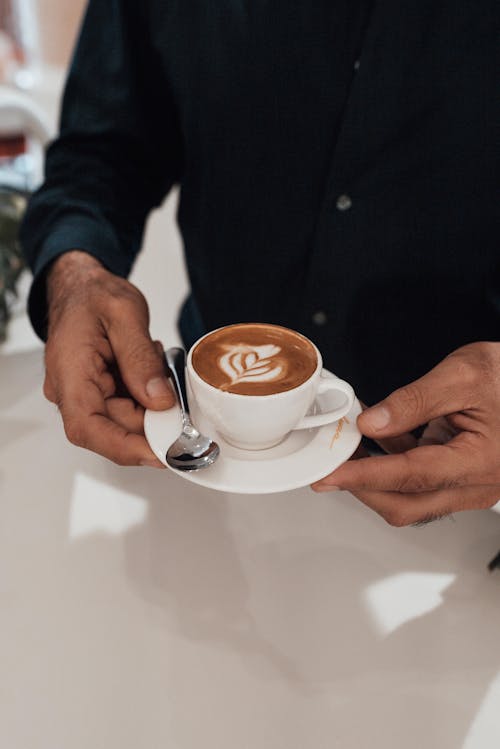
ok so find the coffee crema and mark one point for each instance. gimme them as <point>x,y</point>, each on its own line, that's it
<point>254,359</point>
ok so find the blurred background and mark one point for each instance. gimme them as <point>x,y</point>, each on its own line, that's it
<point>46,28</point>
<point>59,20</point>
<point>36,39</point>
<point>36,42</point>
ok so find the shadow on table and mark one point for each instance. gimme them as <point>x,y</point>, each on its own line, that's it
<point>293,608</point>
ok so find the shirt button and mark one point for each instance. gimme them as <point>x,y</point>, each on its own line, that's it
<point>344,202</point>
<point>357,64</point>
<point>319,317</point>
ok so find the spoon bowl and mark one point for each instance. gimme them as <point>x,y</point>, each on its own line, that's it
<point>191,451</point>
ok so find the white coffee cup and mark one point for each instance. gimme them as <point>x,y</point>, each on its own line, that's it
<point>256,422</point>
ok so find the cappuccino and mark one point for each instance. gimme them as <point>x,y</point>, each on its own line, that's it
<point>254,359</point>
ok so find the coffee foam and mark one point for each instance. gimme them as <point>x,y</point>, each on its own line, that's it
<point>254,359</point>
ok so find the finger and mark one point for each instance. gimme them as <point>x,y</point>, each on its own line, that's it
<point>87,424</point>
<point>398,444</point>
<point>140,362</point>
<point>92,359</point>
<point>458,463</point>
<point>450,387</point>
<point>393,445</point>
<point>115,443</point>
<point>418,509</point>
<point>127,414</point>
<point>438,432</point>
<point>80,367</point>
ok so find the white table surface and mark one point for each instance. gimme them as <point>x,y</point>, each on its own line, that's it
<point>138,611</point>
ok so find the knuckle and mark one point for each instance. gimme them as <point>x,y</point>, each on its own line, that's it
<point>140,351</point>
<point>395,518</point>
<point>411,484</point>
<point>477,362</point>
<point>489,366</point>
<point>117,305</point>
<point>411,480</point>
<point>409,399</point>
<point>416,479</point>
<point>449,483</point>
<point>124,301</point>
<point>49,391</point>
<point>119,460</point>
<point>487,353</point>
<point>121,456</point>
<point>467,372</point>
<point>75,432</point>
<point>94,361</point>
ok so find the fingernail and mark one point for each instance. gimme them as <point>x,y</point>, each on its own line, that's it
<point>376,418</point>
<point>151,464</point>
<point>325,488</point>
<point>158,387</point>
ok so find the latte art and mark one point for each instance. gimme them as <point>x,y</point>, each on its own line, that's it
<point>244,363</point>
<point>254,359</point>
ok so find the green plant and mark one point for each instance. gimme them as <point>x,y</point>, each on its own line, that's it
<point>12,206</point>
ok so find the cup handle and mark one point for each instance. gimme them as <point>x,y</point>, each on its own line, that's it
<point>317,420</point>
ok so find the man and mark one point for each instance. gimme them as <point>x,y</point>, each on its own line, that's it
<point>336,173</point>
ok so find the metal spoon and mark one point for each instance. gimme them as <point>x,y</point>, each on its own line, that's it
<point>191,450</point>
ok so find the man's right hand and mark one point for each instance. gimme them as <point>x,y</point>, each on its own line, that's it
<point>102,368</point>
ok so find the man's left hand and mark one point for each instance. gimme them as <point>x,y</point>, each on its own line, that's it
<point>456,463</point>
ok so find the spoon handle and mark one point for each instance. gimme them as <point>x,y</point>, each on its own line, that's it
<point>176,362</point>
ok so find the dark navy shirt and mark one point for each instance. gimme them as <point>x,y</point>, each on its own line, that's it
<point>335,160</point>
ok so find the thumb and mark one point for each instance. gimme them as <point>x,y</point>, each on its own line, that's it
<point>440,392</point>
<point>398,444</point>
<point>141,365</point>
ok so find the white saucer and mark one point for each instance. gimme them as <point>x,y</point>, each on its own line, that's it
<point>303,457</point>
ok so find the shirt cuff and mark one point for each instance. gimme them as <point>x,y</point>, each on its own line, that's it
<point>73,234</point>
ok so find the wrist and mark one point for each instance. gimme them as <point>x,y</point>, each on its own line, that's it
<point>68,277</point>
<point>69,264</point>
